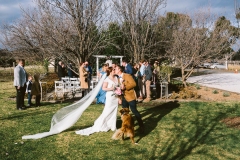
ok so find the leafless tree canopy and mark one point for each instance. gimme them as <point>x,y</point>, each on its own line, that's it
<point>198,39</point>
<point>137,17</point>
<point>67,29</point>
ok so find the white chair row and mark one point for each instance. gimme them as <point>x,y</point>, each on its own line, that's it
<point>66,87</point>
<point>71,85</point>
<point>69,79</point>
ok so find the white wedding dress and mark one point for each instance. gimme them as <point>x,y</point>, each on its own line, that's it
<point>69,115</point>
<point>107,120</point>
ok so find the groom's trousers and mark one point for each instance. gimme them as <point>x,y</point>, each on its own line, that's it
<point>132,104</point>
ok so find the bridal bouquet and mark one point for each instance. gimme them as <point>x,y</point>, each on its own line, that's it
<point>118,93</point>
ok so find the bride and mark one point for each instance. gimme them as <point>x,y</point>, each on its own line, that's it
<point>107,120</point>
<point>69,115</point>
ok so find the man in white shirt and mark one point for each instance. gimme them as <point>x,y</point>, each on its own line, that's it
<point>20,79</point>
<point>142,79</point>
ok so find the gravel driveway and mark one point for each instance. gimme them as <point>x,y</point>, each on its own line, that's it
<point>228,81</point>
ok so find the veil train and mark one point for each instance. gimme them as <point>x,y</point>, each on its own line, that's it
<point>69,115</point>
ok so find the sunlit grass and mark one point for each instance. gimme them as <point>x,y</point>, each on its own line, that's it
<point>190,130</point>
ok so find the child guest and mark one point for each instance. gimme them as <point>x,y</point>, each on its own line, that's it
<point>28,90</point>
<point>36,90</point>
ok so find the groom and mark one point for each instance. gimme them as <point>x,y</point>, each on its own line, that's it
<point>129,97</point>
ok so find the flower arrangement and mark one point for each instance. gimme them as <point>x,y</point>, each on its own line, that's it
<point>118,93</point>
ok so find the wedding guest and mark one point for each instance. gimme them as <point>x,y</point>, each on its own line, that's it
<point>129,98</point>
<point>136,75</point>
<point>69,70</point>
<point>36,90</point>
<point>20,79</point>
<point>102,70</point>
<point>63,70</point>
<point>89,76</point>
<point>155,78</point>
<point>101,96</point>
<point>128,68</point>
<point>60,70</point>
<point>28,90</point>
<point>141,80</point>
<point>113,64</point>
<point>148,78</point>
<point>83,79</point>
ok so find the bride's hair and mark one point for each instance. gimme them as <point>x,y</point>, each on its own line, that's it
<point>109,70</point>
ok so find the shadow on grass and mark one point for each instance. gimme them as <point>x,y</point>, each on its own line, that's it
<point>193,137</point>
<point>152,115</point>
<point>25,113</point>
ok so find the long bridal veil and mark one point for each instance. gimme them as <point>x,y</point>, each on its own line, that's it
<point>69,115</point>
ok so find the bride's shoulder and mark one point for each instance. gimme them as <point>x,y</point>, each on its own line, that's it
<point>106,80</point>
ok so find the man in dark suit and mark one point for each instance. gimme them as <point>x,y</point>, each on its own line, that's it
<point>128,68</point>
<point>20,79</point>
<point>60,70</point>
<point>129,96</point>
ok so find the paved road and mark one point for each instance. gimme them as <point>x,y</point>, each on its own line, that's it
<point>228,81</point>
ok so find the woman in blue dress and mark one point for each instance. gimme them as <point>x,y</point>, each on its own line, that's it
<point>101,96</point>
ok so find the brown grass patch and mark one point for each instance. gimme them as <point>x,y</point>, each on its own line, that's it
<point>232,122</point>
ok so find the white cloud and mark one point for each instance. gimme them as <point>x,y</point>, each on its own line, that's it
<point>10,9</point>
<point>217,7</point>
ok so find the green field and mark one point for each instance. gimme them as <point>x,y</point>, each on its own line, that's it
<point>173,130</point>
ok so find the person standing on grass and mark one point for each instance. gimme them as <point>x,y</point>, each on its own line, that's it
<point>69,70</point>
<point>147,82</point>
<point>128,68</point>
<point>83,75</point>
<point>88,68</point>
<point>28,90</point>
<point>101,96</point>
<point>36,90</point>
<point>141,80</point>
<point>20,79</point>
<point>61,70</point>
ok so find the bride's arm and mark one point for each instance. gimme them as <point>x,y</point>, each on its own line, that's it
<point>104,87</point>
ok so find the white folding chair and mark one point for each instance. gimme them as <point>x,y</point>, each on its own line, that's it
<point>68,87</point>
<point>65,79</point>
<point>76,85</point>
<point>93,84</point>
<point>73,79</point>
<point>59,88</point>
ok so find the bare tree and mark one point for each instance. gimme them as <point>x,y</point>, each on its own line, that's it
<point>198,39</point>
<point>237,11</point>
<point>136,18</point>
<point>67,29</point>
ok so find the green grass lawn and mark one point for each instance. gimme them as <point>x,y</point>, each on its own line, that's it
<point>189,130</point>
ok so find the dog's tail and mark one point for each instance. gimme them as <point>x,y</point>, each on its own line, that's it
<point>118,134</point>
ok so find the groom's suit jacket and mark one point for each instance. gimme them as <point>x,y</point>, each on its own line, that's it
<point>129,83</point>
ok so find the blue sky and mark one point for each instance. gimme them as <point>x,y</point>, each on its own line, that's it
<point>217,7</point>
<point>10,9</point>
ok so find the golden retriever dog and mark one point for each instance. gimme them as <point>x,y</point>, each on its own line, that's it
<point>127,129</point>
